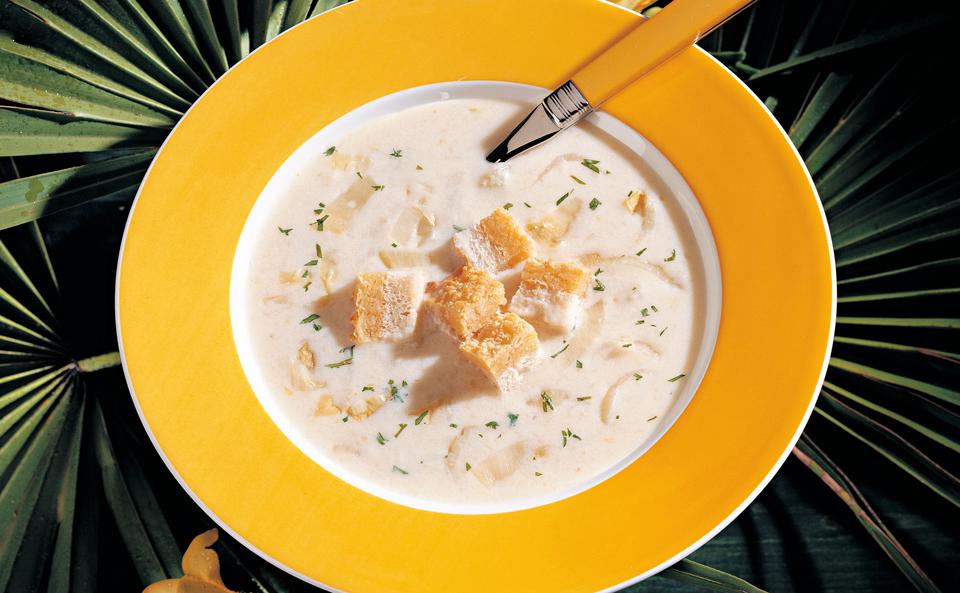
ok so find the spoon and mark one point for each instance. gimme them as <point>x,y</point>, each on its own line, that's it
<point>678,26</point>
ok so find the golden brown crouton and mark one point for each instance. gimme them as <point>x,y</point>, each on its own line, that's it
<point>496,243</point>
<point>551,292</point>
<point>386,305</point>
<point>503,348</point>
<point>464,301</point>
<point>553,276</point>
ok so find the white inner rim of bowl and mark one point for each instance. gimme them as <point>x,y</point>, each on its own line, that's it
<point>705,268</point>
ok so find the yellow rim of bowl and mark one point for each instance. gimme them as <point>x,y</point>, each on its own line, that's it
<point>776,326</point>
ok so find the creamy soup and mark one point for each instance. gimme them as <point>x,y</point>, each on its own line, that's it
<point>412,413</point>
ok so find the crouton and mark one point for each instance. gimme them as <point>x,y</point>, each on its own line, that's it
<point>386,305</point>
<point>496,243</point>
<point>503,348</point>
<point>551,292</point>
<point>463,302</point>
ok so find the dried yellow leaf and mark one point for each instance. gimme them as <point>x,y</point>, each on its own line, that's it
<point>201,570</point>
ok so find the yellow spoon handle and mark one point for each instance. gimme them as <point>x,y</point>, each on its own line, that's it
<point>674,28</point>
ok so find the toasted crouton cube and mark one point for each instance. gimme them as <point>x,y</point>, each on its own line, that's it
<point>386,305</point>
<point>551,292</point>
<point>503,348</point>
<point>464,301</point>
<point>496,243</point>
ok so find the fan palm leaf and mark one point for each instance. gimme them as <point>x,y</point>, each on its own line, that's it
<point>98,84</point>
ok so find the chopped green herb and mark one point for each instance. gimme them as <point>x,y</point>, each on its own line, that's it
<point>641,251</point>
<point>626,345</point>
<point>590,164</point>
<point>677,378</point>
<point>568,434</point>
<point>492,424</point>
<point>453,426</point>
<point>645,312</point>
<point>663,330</point>
<point>527,204</point>
<point>359,174</point>
<point>513,418</point>
<point>547,401</point>
<point>421,417</point>
<point>598,272</point>
<point>584,398</point>
<point>317,327</point>
<point>305,274</point>
<point>342,363</point>
<point>562,198</point>
<point>309,318</point>
<point>507,206</point>
<point>381,439</point>
<point>377,187</point>
<point>419,168</point>
<point>393,245</point>
<point>637,376</point>
<point>319,222</point>
<point>598,286</point>
<point>348,349</point>
<point>559,352</point>
<point>402,426</point>
<point>319,251</point>
<point>403,383</point>
<point>330,151</point>
<point>672,257</point>
<point>651,418</point>
<point>654,308</point>
<point>579,365</point>
<point>538,474</point>
<point>306,286</point>
<point>396,153</point>
<point>578,180</point>
<point>400,470</point>
<point>594,203</point>
<point>457,229</point>
<point>468,466</point>
<point>312,262</point>
<point>284,231</point>
<point>367,388</point>
<point>641,322</point>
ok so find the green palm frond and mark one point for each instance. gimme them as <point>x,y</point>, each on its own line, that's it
<point>90,88</point>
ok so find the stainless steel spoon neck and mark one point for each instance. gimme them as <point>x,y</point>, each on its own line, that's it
<point>560,109</point>
<point>567,105</point>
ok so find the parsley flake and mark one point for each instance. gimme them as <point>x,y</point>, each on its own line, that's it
<point>591,164</point>
<point>402,426</point>
<point>507,206</point>
<point>396,153</point>
<point>598,286</point>
<point>563,197</point>
<point>381,439</point>
<point>284,231</point>
<point>637,376</point>
<point>330,151</point>
<point>421,417</point>
<point>579,365</point>
<point>578,180</point>
<point>309,318</point>
<point>400,470</point>
<point>677,378</point>
<point>672,257</point>
<point>468,466</point>
<point>641,251</point>
<point>594,203</point>
<point>492,424</point>
<point>584,398</point>
<point>513,418</point>
<point>547,401</point>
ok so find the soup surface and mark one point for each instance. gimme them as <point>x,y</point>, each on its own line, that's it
<point>412,413</point>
